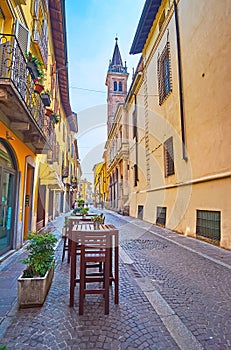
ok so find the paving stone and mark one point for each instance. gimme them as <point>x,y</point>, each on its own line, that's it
<point>197,289</point>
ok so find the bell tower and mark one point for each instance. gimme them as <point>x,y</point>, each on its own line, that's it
<point>116,82</point>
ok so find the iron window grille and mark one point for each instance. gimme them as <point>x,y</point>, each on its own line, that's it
<point>169,157</point>
<point>164,74</point>
<point>135,124</point>
<point>161,215</point>
<point>208,224</point>
<point>140,212</point>
<point>135,175</point>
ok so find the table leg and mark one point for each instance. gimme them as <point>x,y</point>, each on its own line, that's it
<point>72,273</point>
<point>116,270</point>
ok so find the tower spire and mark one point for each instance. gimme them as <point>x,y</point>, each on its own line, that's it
<point>116,64</point>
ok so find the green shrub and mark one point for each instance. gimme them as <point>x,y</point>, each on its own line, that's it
<point>41,250</point>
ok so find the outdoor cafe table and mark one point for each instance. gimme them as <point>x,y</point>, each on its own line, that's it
<point>74,235</point>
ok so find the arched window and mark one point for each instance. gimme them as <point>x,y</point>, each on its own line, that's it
<point>120,86</point>
<point>115,85</point>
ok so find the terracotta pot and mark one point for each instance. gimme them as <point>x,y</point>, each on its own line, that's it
<point>48,112</point>
<point>38,88</point>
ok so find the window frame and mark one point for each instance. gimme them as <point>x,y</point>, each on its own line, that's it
<point>164,74</point>
<point>169,167</point>
<point>208,224</point>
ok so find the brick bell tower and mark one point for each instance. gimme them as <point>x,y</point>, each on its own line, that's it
<point>116,82</point>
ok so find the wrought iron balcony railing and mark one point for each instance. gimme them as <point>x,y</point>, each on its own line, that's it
<point>18,100</point>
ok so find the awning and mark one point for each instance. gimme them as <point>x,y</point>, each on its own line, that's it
<point>49,177</point>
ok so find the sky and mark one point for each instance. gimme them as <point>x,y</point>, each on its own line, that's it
<point>92,26</point>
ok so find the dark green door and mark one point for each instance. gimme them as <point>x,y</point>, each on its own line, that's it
<point>7,201</point>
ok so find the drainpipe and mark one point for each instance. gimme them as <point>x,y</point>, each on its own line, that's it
<point>182,117</point>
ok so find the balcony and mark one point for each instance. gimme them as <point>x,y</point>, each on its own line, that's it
<point>24,112</point>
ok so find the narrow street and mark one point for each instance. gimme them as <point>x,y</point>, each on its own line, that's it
<point>175,293</point>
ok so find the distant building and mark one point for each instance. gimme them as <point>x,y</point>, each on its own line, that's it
<point>116,155</point>
<point>100,187</point>
<point>85,190</point>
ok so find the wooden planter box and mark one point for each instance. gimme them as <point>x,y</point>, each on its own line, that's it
<point>33,291</point>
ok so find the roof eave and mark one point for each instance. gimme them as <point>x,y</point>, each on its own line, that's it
<point>147,18</point>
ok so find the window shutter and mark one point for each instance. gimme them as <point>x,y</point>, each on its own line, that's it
<point>23,36</point>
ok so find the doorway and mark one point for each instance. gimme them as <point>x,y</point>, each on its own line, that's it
<point>7,197</point>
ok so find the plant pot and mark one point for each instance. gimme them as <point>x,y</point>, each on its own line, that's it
<point>46,100</point>
<point>32,292</point>
<point>48,112</point>
<point>31,66</point>
<point>54,119</point>
<point>38,88</point>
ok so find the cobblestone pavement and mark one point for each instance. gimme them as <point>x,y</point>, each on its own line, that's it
<point>175,293</point>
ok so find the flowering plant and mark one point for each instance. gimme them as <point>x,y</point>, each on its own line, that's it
<point>46,92</point>
<point>55,117</point>
<point>39,66</point>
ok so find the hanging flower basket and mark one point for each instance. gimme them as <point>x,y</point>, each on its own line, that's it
<point>54,117</point>
<point>38,88</point>
<point>32,68</point>
<point>35,66</point>
<point>46,99</point>
<point>48,112</point>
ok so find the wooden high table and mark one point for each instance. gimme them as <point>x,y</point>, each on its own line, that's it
<point>74,235</point>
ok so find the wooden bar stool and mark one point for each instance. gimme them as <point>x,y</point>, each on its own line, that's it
<point>95,249</point>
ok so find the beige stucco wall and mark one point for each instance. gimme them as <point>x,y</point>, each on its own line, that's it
<point>205,46</point>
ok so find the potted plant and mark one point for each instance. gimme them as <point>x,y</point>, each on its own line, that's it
<point>80,202</point>
<point>97,220</point>
<point>46,98</point>
<point>35,281</point>
<point>55,118</point>
<point>48,112</point>
<point>83,211</point>
<point>34,65</point>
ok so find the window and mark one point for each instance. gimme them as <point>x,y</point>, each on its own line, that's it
<point>208,224</point>
<point>169,157</point>
<point>164,74</point>
<point>140,212</point>
<point>161,215</point>
<point>120,86</point>
<point>115,85</point>
<point>135,174</point>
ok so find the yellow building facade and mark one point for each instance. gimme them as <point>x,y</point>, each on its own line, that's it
<point>100,185</point>
<point>35,146</point>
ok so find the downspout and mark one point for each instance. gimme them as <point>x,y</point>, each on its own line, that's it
<point>182,117</point>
